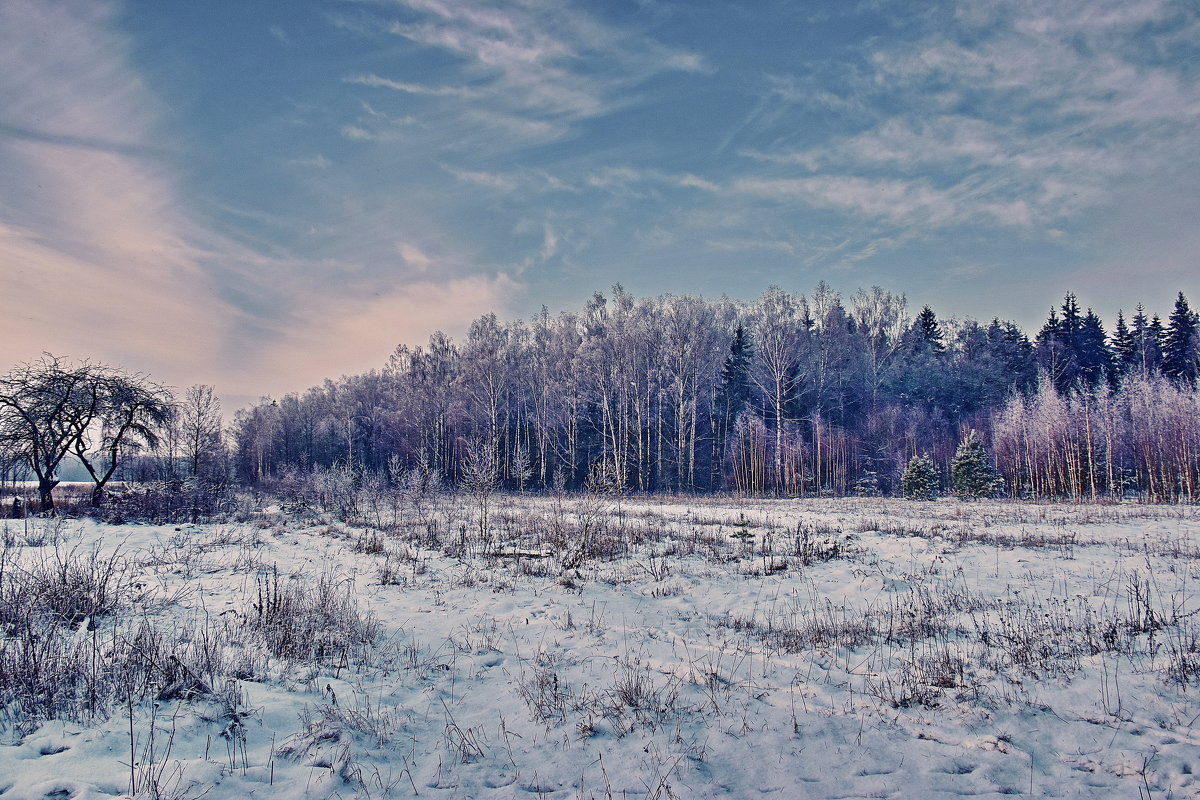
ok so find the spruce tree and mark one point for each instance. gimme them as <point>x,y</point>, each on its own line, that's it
<point>920,479</point>
<point>1124,350</point>
<point>1155,336</point>
<point>1146,342</point>
<point>1093,354</point>
<point>971,470</point>
<point>733,392</point>
<point>1179,351</point>
<point>1058,345</point>
<point>929,331</point>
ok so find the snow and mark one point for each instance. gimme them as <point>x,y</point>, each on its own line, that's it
<point>942,651</point>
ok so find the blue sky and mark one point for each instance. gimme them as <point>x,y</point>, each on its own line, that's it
<point>260,195</point>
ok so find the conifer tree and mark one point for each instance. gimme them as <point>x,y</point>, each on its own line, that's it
<point>1092,351</point>
<point>1058,345</point>
<point>971,470</point>
<point>1014,352</point>
<point>920,479</point>
<point>1123,348</point>
<point>1179,350</point>
<point>929,331</point>
<point>1155,336</point>
<point>1146,337</point>
<point>734,388</point>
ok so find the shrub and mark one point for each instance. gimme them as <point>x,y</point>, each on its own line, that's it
<point>920,479</point>
<point>309,621</point>
<point>971,470</point>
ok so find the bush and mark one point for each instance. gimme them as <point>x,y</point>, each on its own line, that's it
<point>971,470</point>
<point>920,479</point>
<point>309,621</point>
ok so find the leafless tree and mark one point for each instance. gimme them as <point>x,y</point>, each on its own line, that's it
<point>481,477</point>
<point>198,426</point>
<point>779,329</point>
<point>51,407</point>
<point>132,413</point>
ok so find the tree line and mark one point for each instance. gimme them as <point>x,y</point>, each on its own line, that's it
<point>788,394</point>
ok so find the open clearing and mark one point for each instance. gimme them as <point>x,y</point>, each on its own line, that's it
<point>599,647</point>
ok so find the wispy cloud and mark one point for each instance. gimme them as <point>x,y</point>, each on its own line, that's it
<point>411,88</point>
<point>535,69</point>
<point>108,254</point>
<point>629,177</point>
<point>900,202</point>
<point>549,243</point>
<point>101,247</point>
<point>414,257</point>
<point>318,161</point>
<point>1022,115</point>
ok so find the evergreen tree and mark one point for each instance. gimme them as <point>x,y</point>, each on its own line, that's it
<point>1179,350</point>
<point>733,393</point>
<point>734,388</point>
<point>1092,351</point>
<point>920,376</point>
<point>1073,350</point>
<point>1072,322</point>
<point>971,470</point>
<point>1056,346</point>
<point>1155,336</point>
<point>1123,349</point>
<point>920,479</point>
<point>928,331</point>
<point>1147,342</point>
<point>1014,352</point>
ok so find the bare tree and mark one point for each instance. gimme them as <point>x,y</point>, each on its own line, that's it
<point>41,410</point>
<point>780,329</point>
<point>880,319</point>
<point>481,477</point>
<point>51,407</point>
<point>131,412</point>
<point>198,426</point>
<point>519,466</point>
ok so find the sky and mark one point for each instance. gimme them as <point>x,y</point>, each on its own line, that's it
<point>261,195</point>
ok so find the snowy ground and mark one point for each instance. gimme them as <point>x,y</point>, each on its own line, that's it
<point>603,648</point>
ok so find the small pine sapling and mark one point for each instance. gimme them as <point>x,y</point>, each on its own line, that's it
<point>971,470</point>
<point>920,479</point>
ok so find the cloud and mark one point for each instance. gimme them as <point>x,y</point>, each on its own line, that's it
<point>621,178</point>
<point>356,334</point>
<point>106,256</point>
<point>413,257</point>
<point>411,88</point>
<point>535,69</point>
<point>549,243</point>
<point>318,161</point>
<point>491,180</point>
<point>1023,115</point>
<point>99,252</point>
<point>752,245</point>
<point>355,133</point>
<point>899,202</point>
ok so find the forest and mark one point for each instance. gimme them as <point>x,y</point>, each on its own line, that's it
<point>789,394</point>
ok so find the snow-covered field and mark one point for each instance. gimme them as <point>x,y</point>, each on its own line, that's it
<point>611,648</point>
